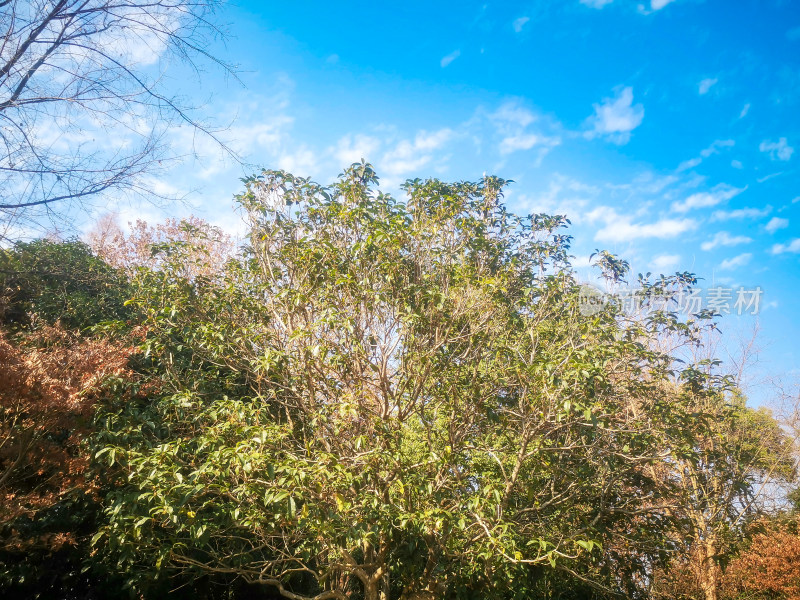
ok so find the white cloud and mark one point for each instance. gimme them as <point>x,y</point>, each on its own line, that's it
<point>163,188</point>
<point>616,117</point>
<point>265,134</point>
<point>663,262</point>
<point>723,238</point>
<point>745,110</point>
<point>409,156</point>
<point>705,85</point>
<point>715,146</point>
<point>768,177</point>
<point>582,261</point>
<point>433,140</point>
<point>596,3</point>
<point>518,142</point>
<point>720,193</point>
<point>350,149</point>
<point>735,262</point>
<point>512,114</point>
<point>619,228</point>
<point>564,196</point>
<point>511,121</point>
<point>689,164</point>
<point>648,183</point>
<point>776,223</point>
<point>793,247</point>
<point>741,213</point>
<point>624,230</point>
<point>737,164</point>
<point>300,162</point>
<point>780,150</point>
<point>450,58</point>
<point>142,40</point>
<point>526,142</point>
<point>659,4</point>
<point>518,24</point>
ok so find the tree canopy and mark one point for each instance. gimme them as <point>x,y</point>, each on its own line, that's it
<point>384,399</point>
<point>397,400</point>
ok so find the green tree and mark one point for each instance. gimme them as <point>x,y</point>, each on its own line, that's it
<point>46,282</point>
<point>388,400</point>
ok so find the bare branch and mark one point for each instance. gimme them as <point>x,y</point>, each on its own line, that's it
<point>73,71</point>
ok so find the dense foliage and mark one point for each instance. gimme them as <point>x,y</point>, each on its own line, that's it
<point>52,371</point>
<point>404,400</point>
<point>62,282</point>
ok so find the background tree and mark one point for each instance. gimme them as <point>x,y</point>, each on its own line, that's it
<point>52,370</point>
<point>738,457</point>
<point>140,247</point>
<point>83,104</point>
<point>768,566</point>
<point>45,282</point>
<point>49,507</point>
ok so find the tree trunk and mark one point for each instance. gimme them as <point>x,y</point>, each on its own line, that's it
<point>708,570</point>
<point>371,591</point>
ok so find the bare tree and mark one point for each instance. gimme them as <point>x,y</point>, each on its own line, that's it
<point>84,104</point>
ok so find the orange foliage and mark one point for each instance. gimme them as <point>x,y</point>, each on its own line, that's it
<point>771,564</point>
<point>47,391</point>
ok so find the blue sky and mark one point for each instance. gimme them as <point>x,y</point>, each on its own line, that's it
<point>668,131</point>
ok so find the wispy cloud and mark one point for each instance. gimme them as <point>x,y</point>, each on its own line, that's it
<point>514,114</point>
<point>512,122</point>
<point>793,247</point>
<point>621,228</point>
<point>780,150</point>
<point>720,193</point>
<point>741,213</point>
<point>301,160</point>
<point>616,117</point>
<point>770,176</point>
<point>776,223</point>
<point>735,262</point>
<point>350,149</point>
<point>564,196</point>
<point>744,111</point>
<point>450,58</point>
<point>689,164</point>
<point>659,4</point>
<point>714,148</point>
<point>526,142</point>
<point>410,155</point>
<point>518,24</point>
<point>596,3</point>
<point>723,238</point>
<point>665,261</point>
<point>705,85</point>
